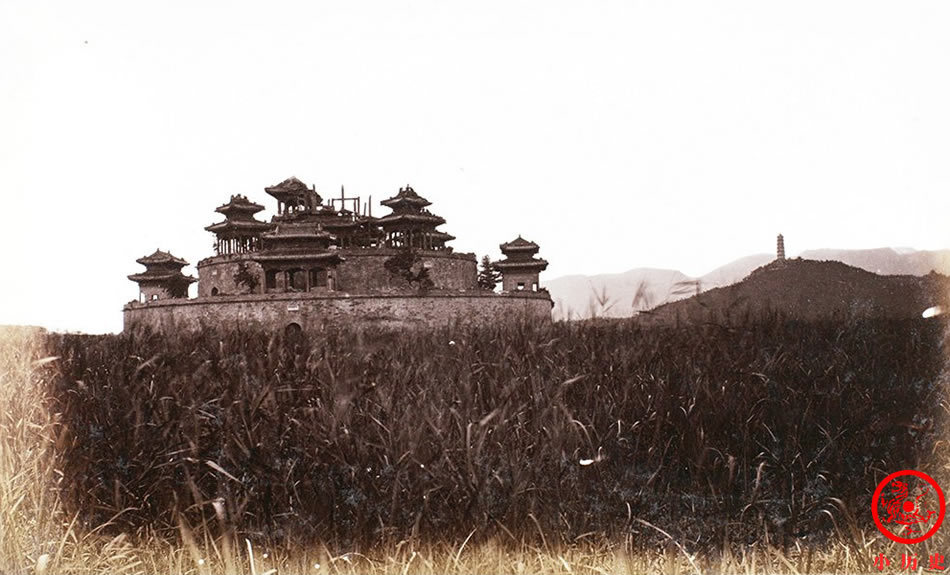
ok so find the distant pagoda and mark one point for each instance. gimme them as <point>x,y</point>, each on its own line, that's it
<point>780,248</point>
<point>162,278</point>
<point>520,269</point>
<point>240,232</point>
<point>410,225</point>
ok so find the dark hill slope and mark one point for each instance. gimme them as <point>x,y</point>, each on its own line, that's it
<point>887,261</point>
<point>811,290</point>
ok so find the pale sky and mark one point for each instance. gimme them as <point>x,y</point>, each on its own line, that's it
<point>614,134</point>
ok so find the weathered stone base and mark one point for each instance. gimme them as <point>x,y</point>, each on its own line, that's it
<point>313,312</point>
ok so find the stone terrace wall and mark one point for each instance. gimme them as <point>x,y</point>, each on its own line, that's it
<point>219,271</point>
<point>313,312</point>
<point>363,272</point>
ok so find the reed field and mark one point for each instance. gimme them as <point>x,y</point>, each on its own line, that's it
<point>572,447</point>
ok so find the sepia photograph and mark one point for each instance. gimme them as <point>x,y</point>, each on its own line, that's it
<point>523,287</point>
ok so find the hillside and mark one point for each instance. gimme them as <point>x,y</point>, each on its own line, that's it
<point>734,271</point>
<point>580,296</point>
<point>810,290</point>
<point>888,261</point>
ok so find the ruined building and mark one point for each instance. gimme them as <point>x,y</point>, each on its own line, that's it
<point>320,262</point>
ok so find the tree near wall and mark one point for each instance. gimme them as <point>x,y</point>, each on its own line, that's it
<point>488,275</point>
<point>245,277</point>
<point>178,287</point>
<point>407,266</point>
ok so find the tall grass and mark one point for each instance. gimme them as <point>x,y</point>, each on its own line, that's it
<point>29,506</point>
<point>438,433</point>
<point>37,534</point>
<point>601,447</point>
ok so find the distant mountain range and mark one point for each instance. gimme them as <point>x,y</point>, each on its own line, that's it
<point>625,294</point>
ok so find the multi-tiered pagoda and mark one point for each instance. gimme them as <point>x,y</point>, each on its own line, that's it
<point>162,278</point>
<point>411,225</point>
<point>520,269</point>
<point>240,232</point>
<point>297,258</point>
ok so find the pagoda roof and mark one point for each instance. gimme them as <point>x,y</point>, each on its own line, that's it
<point>288,231</point>
<point>537,264</point>
<point>278,257</point>
<point>291,187</point>
<point>331,224</point>
<point>519,244</point>
<point>421,218</point>
<point>160,277</point>
<point>406,196</point>
<point>440,235</point>
<point>160,257</point>
<point>291,184</point>
<point>239,226</point>
<point>240,204</point>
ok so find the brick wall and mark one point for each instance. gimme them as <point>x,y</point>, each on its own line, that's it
<point>363,272</point>
<point>147,292</point>
<point>219,271</point>
<point>510,281</point>
<point>312,312</point>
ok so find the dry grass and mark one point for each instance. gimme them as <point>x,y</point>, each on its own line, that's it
<point>40,531</point>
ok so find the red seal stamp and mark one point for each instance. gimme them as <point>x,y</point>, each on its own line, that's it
<point>908,506</point>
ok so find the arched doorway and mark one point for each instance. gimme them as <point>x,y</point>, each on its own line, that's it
<point>293,330</point>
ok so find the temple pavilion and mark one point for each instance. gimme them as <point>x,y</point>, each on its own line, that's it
<point>349,228</point>
<point>240,232</point>
<point>520,269</point>
<point>162,278</point>
<point>410,225</point>
<point>293,197</point>
<point>296,257</point>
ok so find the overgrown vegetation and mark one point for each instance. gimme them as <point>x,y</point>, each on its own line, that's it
<point>488,275</point>
<point>244,277</point>
<point>398,435</point>
<point>178,287</point>
<point>408,266</point>
<point>600,443</point>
